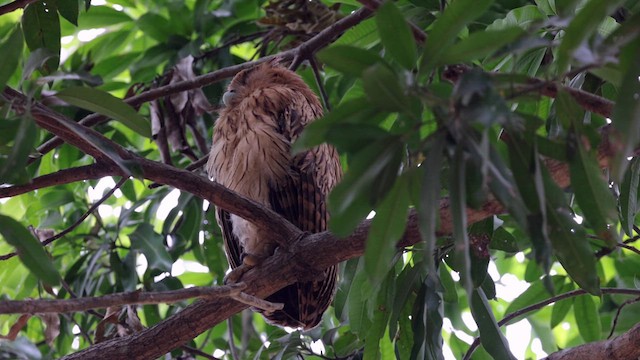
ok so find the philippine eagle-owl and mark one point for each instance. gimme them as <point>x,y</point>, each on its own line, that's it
<point>266,108</point>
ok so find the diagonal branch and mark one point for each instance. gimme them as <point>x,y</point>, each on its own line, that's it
<point>66,176</point>
<point>129,298</point>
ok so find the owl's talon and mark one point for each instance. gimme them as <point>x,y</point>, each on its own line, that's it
<point>234,276</point>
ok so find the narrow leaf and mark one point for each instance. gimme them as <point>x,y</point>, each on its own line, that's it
<point>386,229</point>
<point>29,250</point>
<point>23,142</point>
<point>69,10</point>
<point>587,318</point>
<point>626,112</point>
<point>11,50</point>
<point>348,59</point>
<point>490,335</point>
<point>582,27</point>
<point>479,45</point>
<point>629,197</point>
<point>151,245</point>
<point>447,27</point>
<point>106,104</point>
<point>383,88</point>
<point>396,35</point>
<point>41,27</point>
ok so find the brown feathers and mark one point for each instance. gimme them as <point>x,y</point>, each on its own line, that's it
<point>266,109</point>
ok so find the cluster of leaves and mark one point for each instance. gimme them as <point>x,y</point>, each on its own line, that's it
<point>457,115</point>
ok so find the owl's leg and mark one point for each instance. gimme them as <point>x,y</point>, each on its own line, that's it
<point>233,277</point>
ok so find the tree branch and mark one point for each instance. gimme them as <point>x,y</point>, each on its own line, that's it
<point>624,346</point>
<point>128,298</point>
<point>66,176</point>
<point>14,5</point>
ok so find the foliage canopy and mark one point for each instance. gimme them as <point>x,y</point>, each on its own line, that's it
<point>506,131</point>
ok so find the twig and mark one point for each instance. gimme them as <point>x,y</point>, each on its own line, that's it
<point>630,248</point>
<point>232,343</point>
<point>64,232</point>
<point>14,5</point>
<point>615,319</point>
<point>198,352</point>
<point>316,75</point>
<point>541,304</point>
<point>129,298</point>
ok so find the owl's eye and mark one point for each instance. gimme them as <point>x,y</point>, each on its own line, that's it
<point>228,97</point>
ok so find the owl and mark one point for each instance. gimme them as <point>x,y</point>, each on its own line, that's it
<point>266,108</point>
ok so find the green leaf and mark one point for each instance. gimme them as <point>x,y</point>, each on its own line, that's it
<point>459,218</point>
<point>534,294</point>
<point>628,199</point>
<point>23,142</point>
<point>103,145</point>
<point>582,27</point>
<point>396,35</point>
<point>69,10</point>
<point>102,16</point>
<point>561,308</point>
<point>450,294</point>
<point>155,26</point>
<point>29,250</point>
<point>428,206</point>
<point>383,89</point>
<point>41,27</point>
<point>106,104</point>
<point>479,45</point>
<point>386,229</point>
<point>348,59</point>
<point>11,50</point>
<point>152,246</point>
<point>446,28</point>
<point>491,337</point>
<point>504,241</point>
<point>371,173</point>
<point>592,191</point>
<point>587,318</point>
<point>626,111</point>
<point>572,248</point>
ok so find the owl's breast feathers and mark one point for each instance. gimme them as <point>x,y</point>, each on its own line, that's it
<point>251,154</point>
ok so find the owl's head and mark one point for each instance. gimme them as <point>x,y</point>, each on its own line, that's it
<point>265,75</point>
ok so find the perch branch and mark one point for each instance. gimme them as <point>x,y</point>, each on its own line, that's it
<point>128,298</point>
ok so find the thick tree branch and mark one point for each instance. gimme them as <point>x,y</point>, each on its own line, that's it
<point>129,298</point>
<point>622,347</point>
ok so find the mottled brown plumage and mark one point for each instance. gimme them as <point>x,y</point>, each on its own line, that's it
<point>266,109</point>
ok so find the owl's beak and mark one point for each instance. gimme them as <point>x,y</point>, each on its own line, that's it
<point>228,97</point>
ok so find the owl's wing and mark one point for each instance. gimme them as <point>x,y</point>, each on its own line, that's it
<point>231,243</point>
<point>301,199</point>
